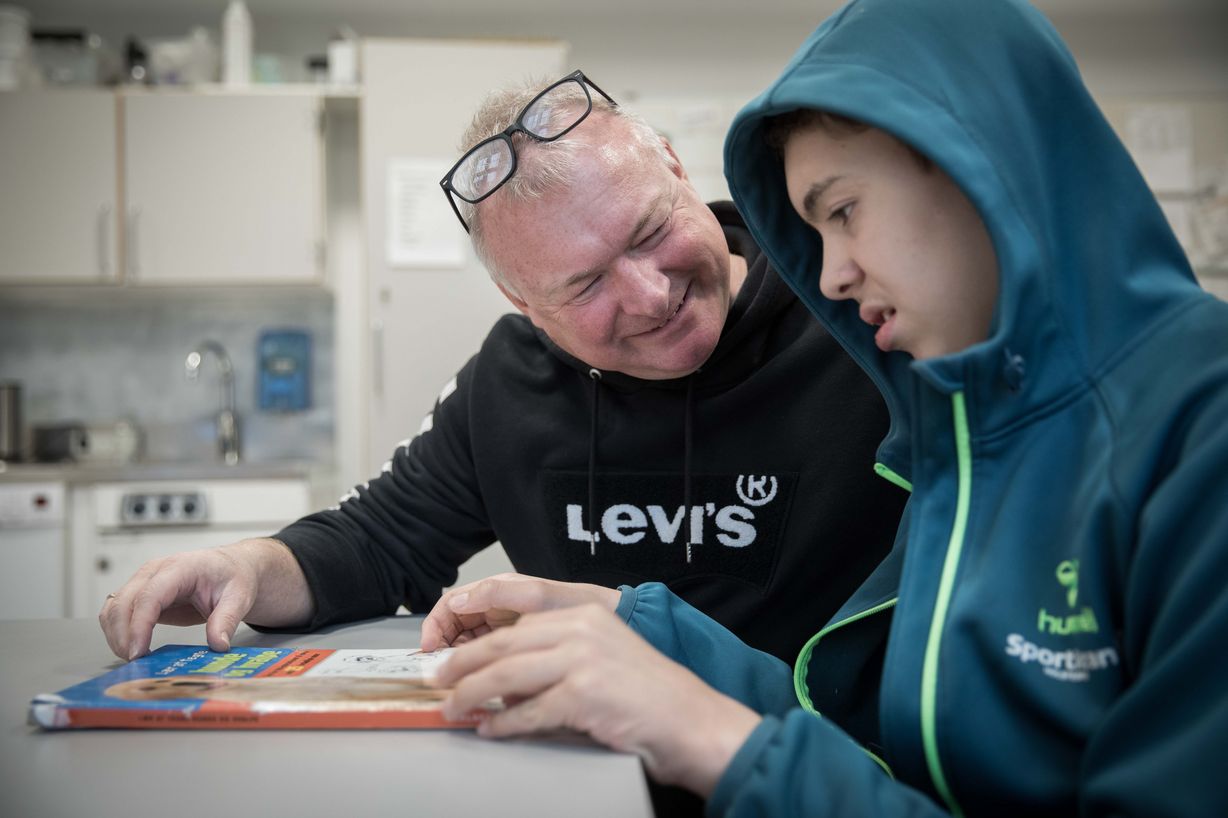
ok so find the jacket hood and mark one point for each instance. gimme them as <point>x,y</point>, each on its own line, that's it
<point>987,91</point>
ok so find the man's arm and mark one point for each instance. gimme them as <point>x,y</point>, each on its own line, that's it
<point>399,538</point>
<point>395,540</point>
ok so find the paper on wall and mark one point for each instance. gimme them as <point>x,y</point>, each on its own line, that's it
<point>1159,138</point>
<point>422,231</point>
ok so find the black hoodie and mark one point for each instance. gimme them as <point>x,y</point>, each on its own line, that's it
<point>771,445</point>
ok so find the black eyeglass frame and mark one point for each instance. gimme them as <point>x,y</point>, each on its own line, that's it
<point>515,128</point>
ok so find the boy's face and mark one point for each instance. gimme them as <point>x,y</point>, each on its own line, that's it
<point>899,238</point>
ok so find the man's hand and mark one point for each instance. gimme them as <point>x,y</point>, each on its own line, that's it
<point>476,609</point>
<point>256,579</point>
<point>584,669</point>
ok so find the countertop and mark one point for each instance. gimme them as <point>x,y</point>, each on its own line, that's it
<point>205,773</point>
<point>155,471</point>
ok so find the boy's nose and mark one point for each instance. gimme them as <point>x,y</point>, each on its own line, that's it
<point>838,276</point>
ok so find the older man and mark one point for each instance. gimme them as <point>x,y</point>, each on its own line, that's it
<point>628,426</point>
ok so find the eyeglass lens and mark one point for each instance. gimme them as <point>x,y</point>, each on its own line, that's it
<point>483,170</point>
<point>547,117</point>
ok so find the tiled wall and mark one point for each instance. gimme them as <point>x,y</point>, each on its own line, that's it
<point>98,356</point>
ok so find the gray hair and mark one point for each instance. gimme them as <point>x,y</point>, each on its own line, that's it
<point>541,166</point>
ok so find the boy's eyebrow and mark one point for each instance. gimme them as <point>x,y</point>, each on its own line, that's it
<point>816,191</point>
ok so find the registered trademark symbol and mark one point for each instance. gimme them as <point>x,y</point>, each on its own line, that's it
<point>754,490</point>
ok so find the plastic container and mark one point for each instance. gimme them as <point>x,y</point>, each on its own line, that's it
<point>237,44</point>
<point>11,437</point>
<point>14,31</point>
<point>69,57</point>
<point>343,57</point>
<point>136,63</point>
<point>14,46</point>
<point>317,69</point>
<point>188,60</point>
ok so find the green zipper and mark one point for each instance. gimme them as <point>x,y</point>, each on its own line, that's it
<point>929,670</point>
<point>891,477</point>
<point>802,690</point>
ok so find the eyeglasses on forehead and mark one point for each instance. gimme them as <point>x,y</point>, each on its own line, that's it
<point>489,164</point>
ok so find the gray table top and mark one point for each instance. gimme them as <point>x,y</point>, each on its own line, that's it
<point>185,773</point>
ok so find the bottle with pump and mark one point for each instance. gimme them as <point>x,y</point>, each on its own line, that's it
<point>237,44</point>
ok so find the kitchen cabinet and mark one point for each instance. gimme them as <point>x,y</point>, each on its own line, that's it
<point>58,187</point>
<point>224,188</point>
<point>425,320</point>
<point>32,542</point>
<point>156,187</point>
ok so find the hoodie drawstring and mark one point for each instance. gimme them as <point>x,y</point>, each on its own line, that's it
<point>686,466</point>
<point>595,376</point>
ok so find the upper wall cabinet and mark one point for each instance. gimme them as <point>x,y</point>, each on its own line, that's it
<point>223,188</point>
<point>58,183</point>
<point>161,187</point>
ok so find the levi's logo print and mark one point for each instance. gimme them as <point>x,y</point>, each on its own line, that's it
<point>640,529</point>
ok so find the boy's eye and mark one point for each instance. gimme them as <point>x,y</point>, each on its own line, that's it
<point>841,214</point>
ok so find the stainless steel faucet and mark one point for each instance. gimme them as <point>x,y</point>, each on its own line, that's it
<point>227,421</point>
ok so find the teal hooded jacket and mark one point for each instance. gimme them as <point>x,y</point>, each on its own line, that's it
<point>1049,635</point>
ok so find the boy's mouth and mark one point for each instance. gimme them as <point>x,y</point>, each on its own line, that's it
<point>884,319</point>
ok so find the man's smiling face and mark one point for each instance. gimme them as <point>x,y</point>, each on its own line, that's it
<point>626,268</point>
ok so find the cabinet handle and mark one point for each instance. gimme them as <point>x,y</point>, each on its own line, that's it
<point>134,237</point>
<point>377,357</point>
<point>103,228</point>
<point>103,564</point>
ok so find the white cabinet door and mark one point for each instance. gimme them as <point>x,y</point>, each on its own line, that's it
<point>58,182</point>
<point>222,189</point>
<point>426,321</point>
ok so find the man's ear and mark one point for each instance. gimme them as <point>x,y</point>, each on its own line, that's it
<point>678,169</point>
<point>517,301</point>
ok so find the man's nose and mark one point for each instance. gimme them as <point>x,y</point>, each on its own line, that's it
<point>644,288</point>
<point>839,275</point>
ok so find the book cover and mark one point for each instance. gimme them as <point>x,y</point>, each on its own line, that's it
<point>185,686</point>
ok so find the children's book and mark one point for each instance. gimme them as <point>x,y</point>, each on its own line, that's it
<point>183,686</point>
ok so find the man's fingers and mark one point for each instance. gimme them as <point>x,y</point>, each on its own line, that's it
<point>219,630</point>
<point>222,623</point>
<point>108,618</point>
<point>166,588</point>
<point>116,613</point>
<point>214,586</point>
<point>144,610</point>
